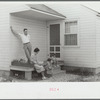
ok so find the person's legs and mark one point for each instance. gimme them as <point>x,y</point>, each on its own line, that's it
<point>29,47</point>
<point>40,69</point>
<point>27,53</point>
<point>43,76</point>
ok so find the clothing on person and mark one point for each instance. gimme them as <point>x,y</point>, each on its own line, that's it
<point>26,45</point>
<point>38,66</point>
<point>24,38</point>
<point>48,65</point>
<point>54,61</point>
<point>28,48</point>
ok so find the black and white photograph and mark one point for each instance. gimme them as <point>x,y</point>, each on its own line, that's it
<point>49,43</point>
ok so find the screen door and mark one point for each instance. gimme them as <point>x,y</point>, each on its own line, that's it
<point>55,40</point>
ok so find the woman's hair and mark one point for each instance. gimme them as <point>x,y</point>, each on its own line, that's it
<point>36,50</point>
<point>25,29</point>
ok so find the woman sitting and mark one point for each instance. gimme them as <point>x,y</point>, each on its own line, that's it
<point>38,66</point>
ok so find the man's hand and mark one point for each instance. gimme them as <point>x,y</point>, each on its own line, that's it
<point>11,27</point>
<point>13,31</point>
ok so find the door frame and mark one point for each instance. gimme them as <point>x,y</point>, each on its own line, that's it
<point>48,31</point>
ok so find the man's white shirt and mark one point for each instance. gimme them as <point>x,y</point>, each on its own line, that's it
<point>25,38</point>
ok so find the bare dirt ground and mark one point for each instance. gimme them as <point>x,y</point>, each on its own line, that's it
<point>64,77</point>
<point>57,76</point>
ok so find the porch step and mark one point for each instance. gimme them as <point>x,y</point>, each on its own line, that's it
<point>60,62</point>
<point>56,70</point>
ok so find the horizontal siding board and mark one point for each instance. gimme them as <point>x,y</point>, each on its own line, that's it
<point>98,42</point>
<point>10,47</point>
<point>37,30</point>
<point>84,55</point>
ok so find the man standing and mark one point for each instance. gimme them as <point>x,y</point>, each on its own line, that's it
<point>25,38</point>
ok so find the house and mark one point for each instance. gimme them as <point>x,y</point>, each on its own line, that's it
<point>71,31</point>
<point>80,36</point>
<point>32,17</point>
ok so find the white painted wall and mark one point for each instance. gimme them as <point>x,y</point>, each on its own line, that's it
<point>37,31</point>
<point>98,41</point>
<point>10,46</point>
<point>5,9</point>
<point>85,54</point>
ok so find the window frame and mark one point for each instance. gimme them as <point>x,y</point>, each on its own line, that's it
<point>78,31</point>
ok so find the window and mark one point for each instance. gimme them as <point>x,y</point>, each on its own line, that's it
<point>55,50</point>
<point>71,31</point>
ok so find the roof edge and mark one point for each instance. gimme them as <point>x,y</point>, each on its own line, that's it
<point>46,11</point>
<point>56,11</point>
<point>90,8</point>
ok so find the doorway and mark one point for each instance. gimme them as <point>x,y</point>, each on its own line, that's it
<point>55,40</point>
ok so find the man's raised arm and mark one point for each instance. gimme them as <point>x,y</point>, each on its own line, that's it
<point>13,31</point>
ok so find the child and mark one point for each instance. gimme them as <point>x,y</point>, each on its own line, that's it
<point>54,60</point>
<point>48,64</point>
<point>38,66</point>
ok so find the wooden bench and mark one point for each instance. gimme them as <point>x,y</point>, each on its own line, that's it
<point>27,70</point>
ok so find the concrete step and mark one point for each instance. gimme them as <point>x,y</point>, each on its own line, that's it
<point>56,70</point>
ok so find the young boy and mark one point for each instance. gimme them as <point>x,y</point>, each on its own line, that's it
<point>38,66</point>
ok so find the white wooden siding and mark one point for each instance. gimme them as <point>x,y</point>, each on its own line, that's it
<point>98,41</point>
<point>37,31</point>
<point>10,47</point>
<point>84,55</point>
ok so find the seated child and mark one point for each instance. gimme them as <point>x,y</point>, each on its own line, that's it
<point>38,66</point>
<point>54,60</point>
<point>48,66</point>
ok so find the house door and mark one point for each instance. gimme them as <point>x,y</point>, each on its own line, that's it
<point>55,40</point>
